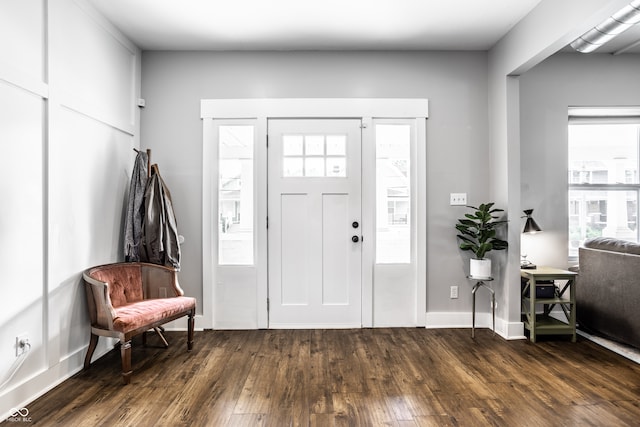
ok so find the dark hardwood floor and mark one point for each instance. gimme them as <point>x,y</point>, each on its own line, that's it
<point>368,377</point>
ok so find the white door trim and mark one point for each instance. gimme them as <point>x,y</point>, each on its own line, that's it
<point>260,110</point>
<point>314,107</point>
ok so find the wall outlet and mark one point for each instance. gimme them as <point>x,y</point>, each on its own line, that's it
<point>453,292</point>
<point>458,199</point>
<point>22,344</point>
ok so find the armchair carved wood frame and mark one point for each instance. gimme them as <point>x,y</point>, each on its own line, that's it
<point>130,298</point>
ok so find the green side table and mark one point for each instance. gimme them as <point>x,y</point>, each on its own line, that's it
<point>564,297</point>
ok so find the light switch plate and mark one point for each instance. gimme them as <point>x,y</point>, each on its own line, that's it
<point>458,199</point>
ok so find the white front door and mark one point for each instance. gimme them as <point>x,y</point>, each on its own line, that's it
<point>314,214</point>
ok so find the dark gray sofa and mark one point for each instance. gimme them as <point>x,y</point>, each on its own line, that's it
<point>608,289</point>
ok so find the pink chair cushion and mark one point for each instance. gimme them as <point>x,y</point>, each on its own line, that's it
<point>138,314</point>
<point>125,283</point>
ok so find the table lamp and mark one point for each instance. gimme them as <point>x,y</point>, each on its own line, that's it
<point>530,227</point>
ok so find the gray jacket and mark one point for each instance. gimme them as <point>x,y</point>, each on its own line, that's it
<point>160,230</point>
<point>135,209</point>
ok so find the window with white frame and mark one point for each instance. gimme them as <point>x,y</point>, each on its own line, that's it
<point>393,193</point>
<point>603,174</point>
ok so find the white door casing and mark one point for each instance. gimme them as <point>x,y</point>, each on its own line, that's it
<point>314,210</point>
<point>235,296</point>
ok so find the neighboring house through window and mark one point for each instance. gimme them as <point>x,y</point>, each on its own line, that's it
<point>603,174</point>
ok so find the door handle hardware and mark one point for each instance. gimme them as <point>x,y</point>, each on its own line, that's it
<point>355,239</point>
<point>355,224</point>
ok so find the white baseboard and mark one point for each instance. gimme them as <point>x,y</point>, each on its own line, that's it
<point>513,330</point>
<point>452,320</point>
<point>40,383</point>
<point>20,395</point>
<point>313,326</point>
<point>443,320</point>
<point>623,350</point>
<point>181,324</point>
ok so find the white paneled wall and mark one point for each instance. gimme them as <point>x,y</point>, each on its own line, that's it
<point>22,40</point>
<point>68,123</point>
<point>93,67</point>
<point>21,225</point>
<point>22,127</point>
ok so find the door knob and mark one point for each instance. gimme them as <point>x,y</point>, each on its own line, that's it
<point>355,239</point>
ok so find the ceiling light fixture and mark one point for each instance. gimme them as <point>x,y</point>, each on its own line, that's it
<point>616,24</point>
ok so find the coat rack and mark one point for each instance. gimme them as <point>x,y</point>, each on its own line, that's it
<point>148,161</point>
<point>159,329</point>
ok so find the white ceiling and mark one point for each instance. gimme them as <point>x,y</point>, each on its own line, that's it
<point>314,24</point>
<point>324,24</point>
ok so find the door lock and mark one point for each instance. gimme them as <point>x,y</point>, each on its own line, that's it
<point>355,239</point>
<point>355,224</point>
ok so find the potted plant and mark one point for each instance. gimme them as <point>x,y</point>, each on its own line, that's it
<point>477,233</point>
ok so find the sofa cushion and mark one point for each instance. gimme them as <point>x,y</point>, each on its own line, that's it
<point>138,314</point>
<point>613,245</point>
<point>125,283</point>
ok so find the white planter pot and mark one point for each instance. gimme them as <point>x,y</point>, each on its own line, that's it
<point>480,268</point>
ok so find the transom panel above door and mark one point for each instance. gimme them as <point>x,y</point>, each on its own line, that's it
<point>314,211</point>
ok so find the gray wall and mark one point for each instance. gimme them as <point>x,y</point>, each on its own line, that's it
<point>173,83</point>
<point>546,91</point>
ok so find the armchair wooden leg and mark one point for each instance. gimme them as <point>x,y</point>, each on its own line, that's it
<point>125,355</point>
<point>93,342</point>
<point>190,327</point>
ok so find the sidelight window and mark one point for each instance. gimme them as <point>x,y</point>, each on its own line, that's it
<point>393,193</point>
<point>235,194</point>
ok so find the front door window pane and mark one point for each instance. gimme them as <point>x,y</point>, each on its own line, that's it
<point>314,145</point>
<point>314,166</point>
<point>314,156</point>
<point>336,145</point>
<point>292,145</point>
<point>235,194</point>
<point>292,166</point>
<point>336,166</point>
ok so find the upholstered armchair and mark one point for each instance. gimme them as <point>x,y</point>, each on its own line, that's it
<point>128,299</point>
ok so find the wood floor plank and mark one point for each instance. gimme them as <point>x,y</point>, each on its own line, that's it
<point>360,377</point>
<point>436,421</point>
<point>248,420</point>
<point>320,396</point>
